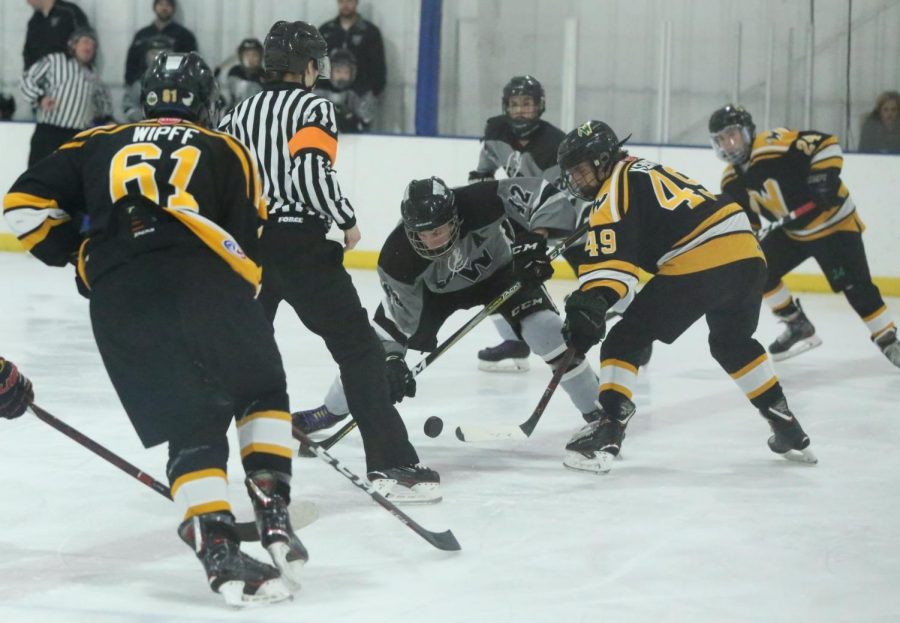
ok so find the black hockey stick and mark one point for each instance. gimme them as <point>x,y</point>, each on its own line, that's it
<point>246,530</point>
<point>523,430</point>
<point>489,309</point>
<point>784,220</point>
<point>441,540</point>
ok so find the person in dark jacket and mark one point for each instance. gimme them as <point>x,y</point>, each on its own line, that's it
<point>350,31</point>
<point>50,27</point>
<point>164,24</point>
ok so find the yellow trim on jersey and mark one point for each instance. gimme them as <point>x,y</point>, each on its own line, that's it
<point>212,472</point>
<point>26,200</point>
<point>617,286</point>
<point>718,216</point>
<point>851,223</point>
<point>610,209</point>
<point>716,252</point>
<point>835,162</point>
<point>70,145</point>
<point>880,310</point>
<point>269,415</point>
<point>251,175</point>
<point>40,234</point>
<point>619,265</point>
<point>267,448</point>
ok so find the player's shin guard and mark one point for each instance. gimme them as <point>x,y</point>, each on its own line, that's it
<point>266,441</point>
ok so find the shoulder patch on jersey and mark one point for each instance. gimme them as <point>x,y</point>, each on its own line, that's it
<point>772,143</point>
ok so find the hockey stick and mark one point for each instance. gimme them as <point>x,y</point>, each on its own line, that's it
<point>523,430</point>
<point>807,207</point>
<point>489,309</point>
<point>246,530</point>
<point>441,540</point>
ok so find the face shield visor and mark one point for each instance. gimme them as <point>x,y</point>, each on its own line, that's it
<point>732,143</point>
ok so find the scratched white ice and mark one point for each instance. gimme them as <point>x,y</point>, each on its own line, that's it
<point>699,523</point>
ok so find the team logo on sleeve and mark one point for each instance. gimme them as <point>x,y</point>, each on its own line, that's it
<point>234,248</point>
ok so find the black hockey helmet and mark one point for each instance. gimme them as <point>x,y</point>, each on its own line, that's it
<point>249,44</point>
<point>524,85</point>
<point>428,204</point>
<point>731,132</point>
<point>180,85</point>
<point>593,143</point>
<point>290,46</point>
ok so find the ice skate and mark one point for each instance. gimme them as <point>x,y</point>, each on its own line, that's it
<point>595,446</point>
<point>890,346</point>
<point>239,578</point>
<point>798,337</point>
<point>789,440</point>
<point>268,492</point>
<point>408,484</point>
<point>313,420</point>
<point>508,356</point>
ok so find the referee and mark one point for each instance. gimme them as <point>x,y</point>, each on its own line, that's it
<point>67,94</point>
<point>293,134</point>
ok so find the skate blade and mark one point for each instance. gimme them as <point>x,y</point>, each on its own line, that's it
<point>801,456</point>
<point>422,493</point>
<point>269,592</point>
<point>600,463</point>
<point>799,348</point>
<point>504,365</point>
<point>291,570</point>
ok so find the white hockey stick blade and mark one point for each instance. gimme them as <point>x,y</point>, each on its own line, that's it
<point>801,456</point>
<point>303,513</point>
<point>489,433</point>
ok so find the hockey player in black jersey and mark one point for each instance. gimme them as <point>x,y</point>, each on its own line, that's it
<point>706,263</point>
<point>171,212</point>
<point>451,252</point>
<point>783,171</point>
<point>523,145</point>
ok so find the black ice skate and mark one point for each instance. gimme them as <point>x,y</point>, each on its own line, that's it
<point>798,337</point>
<point>789,439</point>
<point>509,356</point>
<point>594,447</point>
<point>890,346</point>
<point>408,484</point>
<point>319,418</point>
<point>239,578</point>
<point>269,494</point>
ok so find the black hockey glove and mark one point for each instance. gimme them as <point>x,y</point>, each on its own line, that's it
<point>585,323</point>
<point>480,176</point>
<point>530,259</point>
<point>16,392</point>
<point>401,382</point>
<point>824,187</point>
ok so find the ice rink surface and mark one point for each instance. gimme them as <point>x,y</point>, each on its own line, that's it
<point>699,523</point>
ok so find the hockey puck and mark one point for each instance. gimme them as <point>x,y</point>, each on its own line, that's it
<point>433,426</point>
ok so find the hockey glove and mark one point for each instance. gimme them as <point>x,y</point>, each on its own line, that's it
<point>530,259</point>
<point>585,323</point>
<point>401,382</point>
<point>16,392</point>
<point>480,176</point>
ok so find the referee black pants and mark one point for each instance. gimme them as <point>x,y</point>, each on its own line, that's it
<point>47,139</point>
<point>306,270</point>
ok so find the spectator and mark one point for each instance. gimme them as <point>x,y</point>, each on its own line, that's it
<point>164,24</point>
<point>350,31</point>
<point>50,27</point>
<point>353,111</point>
<point>881,128</point>
<point>244,79</point>
<point>131,99</point>
<point>67,94</point>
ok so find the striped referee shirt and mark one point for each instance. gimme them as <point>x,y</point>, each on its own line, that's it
<point>81,99</point>
<point>293,135</point>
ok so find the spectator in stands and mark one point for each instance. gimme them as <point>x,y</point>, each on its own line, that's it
<point>49,28</point>
<point>881,128</point>
<point>131,99</point>
<point>353,111</point>
<point>244,79</point>
<point>350,31</point>
<point>67,94</point>
<point>164,24</point>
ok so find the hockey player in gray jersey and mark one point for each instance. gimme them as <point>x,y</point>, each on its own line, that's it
<point>452,252</point>
<point>523,145</point>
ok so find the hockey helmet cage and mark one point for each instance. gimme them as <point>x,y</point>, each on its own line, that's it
<point>524,85</point>
<point>427,205</point>
<point>180,85</point>
<point>731,132</point>
<point>592,142</point>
